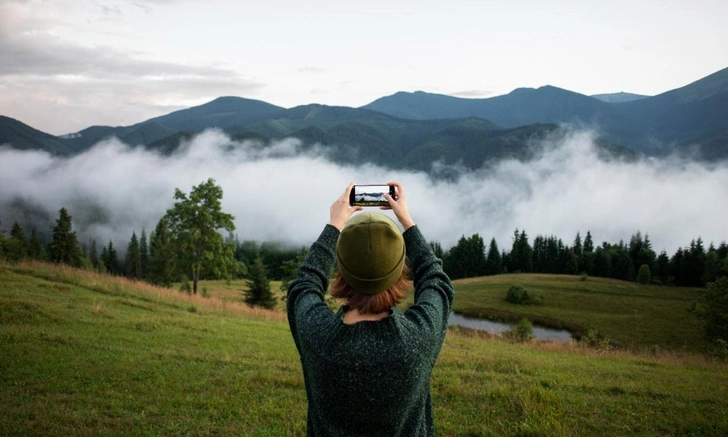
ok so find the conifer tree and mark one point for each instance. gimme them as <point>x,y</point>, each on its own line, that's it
<point>64,246</point>
<point>16,247</point>
<point>494,262</point>
<point>35,247</point>
<point>258,292</point>
<point>588,243</point>
<point>133,259</point>
<point>93,254</point>
<point>161,256</point>
<point>144,254</point>
<point>112,261</point>
<point>577,245</point>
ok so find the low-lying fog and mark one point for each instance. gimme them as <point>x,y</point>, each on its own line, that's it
<point>280,193</point>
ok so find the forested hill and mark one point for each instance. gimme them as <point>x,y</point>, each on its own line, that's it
<point>413,130</point>
<point>693,114</point>
<point>351,135</point>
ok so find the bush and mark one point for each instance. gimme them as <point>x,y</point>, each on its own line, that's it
<point>583,277</point>
<point>716,309</point>
<point>596,340</point>
<point>644,276</point>
<point>517,294</point>
<point>522,332</point>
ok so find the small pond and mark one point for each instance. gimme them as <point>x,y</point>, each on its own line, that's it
<point>539,332</point>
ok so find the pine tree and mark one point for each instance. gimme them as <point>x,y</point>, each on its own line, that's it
<point>577,245</point>
<point>494,262</point>
<point>64,246</point>
<point>144,254</point>
<point>93,254</point>
<point>258,292</point>
<point>133,259</point>
<point>35,247</point>
<point>588,243</point>
<point>662,268</point>
<point>112,262</point>
<point>16,247</point>
<point>161,256</point>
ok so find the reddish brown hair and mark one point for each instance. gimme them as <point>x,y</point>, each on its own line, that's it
<point>375,304</point>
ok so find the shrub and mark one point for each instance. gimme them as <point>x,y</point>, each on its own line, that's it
<point>716,309</point>
<point>522,332</point>
<point>517,294</point>
<point>644,276</point>
<point>583,277</point>
<point>185,287</point>
<point>721,349</point>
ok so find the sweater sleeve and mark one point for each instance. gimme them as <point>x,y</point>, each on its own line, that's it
<point>434,292</point>
<point>305,299</point>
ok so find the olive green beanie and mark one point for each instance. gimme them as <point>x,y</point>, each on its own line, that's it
<point>370,252</point>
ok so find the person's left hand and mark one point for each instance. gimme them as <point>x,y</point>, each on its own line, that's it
<point>341,211</point>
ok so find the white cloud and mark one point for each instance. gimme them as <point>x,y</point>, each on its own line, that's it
<point>281,193</point>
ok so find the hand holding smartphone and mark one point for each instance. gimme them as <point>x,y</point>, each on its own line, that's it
<point>370,195</point>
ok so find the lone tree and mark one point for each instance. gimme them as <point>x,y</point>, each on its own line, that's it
<point>194,222</point>
<point>258,292</point>
<point>64,247</point>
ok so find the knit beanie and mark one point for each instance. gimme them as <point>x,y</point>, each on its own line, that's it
<point>370,252</point>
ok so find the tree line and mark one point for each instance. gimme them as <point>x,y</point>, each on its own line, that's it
<point>186,245</point>
<point>693,265</point>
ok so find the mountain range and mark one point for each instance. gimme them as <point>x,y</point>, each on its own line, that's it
<point>414,130</point>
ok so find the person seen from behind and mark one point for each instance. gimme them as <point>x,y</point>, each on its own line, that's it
<point>367,367</point>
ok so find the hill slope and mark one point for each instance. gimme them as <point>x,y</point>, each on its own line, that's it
<point>88,354</point>
<point>21,136</point>
<point>521,107</point>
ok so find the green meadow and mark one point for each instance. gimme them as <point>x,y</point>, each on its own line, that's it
<point>629,314</point>
<point>89,354</point>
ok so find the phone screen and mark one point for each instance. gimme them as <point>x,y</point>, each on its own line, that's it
<point>370,195</point>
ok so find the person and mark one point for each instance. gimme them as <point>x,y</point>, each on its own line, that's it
<point>367,367</point>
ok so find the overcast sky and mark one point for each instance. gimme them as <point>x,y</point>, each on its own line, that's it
<point>69,64</point>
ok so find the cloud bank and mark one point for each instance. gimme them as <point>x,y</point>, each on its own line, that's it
<point>281,193</point>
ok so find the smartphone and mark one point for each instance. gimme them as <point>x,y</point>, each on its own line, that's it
<point>370,195</point>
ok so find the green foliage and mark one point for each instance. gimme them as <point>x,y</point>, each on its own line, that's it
<point>517,295</point>
<point>64,247</point>
<point>162,255</point>
<point>494,261</point>
<point>133,261</point>
<point>716,309</point>
<point>522,332</point>
<point>643,276</point>
<point>290,268</point>
<point>16,247</point>
<point>194,222</point>
<point>467,258</point>
<point>596,340</point>
<point>258,292</point>
<point>144,255</point>
<point>721,349</point>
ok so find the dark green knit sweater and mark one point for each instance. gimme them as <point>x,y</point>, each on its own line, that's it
<point>370,378</point>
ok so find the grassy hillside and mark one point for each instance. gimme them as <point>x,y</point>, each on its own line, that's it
<point>85,354</point>
<point>627,313</point>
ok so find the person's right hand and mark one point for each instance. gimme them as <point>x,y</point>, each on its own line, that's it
<point>341,211</point>
<point>398,204</point>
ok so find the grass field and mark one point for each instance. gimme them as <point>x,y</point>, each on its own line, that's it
<point>86,354</point>
<point>627,313</point>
